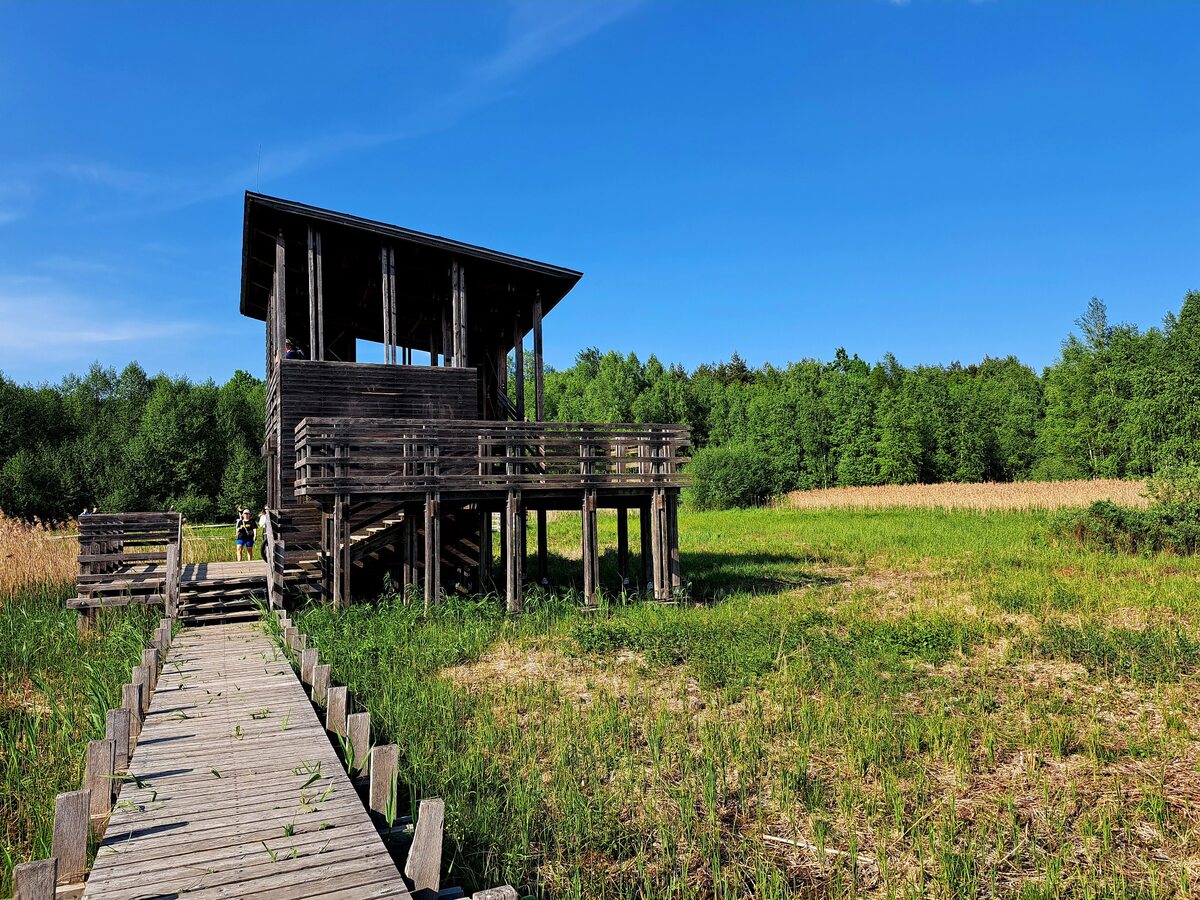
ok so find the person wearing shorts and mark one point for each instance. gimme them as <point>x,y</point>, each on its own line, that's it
<point>245,536</point>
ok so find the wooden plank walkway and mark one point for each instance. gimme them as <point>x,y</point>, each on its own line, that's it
<point>239,792</point>
<point>222,571</point>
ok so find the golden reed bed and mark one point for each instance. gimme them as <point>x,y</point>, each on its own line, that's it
<point>1014,495</point>
<point>32,555</point>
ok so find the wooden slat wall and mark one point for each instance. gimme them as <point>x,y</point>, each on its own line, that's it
<point>318,389</point>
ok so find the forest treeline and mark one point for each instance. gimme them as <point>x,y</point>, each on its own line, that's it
<point>1118,402</point>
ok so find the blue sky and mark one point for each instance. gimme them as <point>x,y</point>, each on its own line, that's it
<point>940,179</point>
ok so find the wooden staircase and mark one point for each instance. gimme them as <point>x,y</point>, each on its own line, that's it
<point>220,593</point>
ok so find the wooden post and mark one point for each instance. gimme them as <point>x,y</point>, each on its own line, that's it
<point>172,585</point>
<point>308,661</point>
<point>35,880</point>
<point>280,286</point>
<point>462,358</point>
<point>319,348</point>
<point>320,683</point>
<point>519,367</point>
<point>433,548</point>
<point>98,778</point>
<point>150,661</point>
<point>539,380</point>
<point>341,551</point>
<point>385,765</point>
<point>673,562</point>
<point>485,548</point>
<point>312,296</point>
<point>335,710</point>
<point>358,727</point>
<point>591,548</point>
<point>424,866</point>
<point>543,569</point>
<point>658,526</point>
<point>131,699</point>
<point>141,677</point>
<point>70,842</point>
<point>647,553</point>
<point>116,729</point>
<point>455,335</point>
<point>512,553</point>
<point>623,545</point>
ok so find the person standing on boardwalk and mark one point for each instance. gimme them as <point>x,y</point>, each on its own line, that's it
<point>262,526</point>
<point>245,535</point>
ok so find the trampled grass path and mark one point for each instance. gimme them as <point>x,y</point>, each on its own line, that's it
<point>235,790</point>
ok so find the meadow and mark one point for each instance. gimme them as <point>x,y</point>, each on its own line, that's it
<point>877,702</point>
<point>872,702</point>
<point>55,686</point>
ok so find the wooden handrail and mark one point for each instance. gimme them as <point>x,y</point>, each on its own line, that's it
<point>406,456</point>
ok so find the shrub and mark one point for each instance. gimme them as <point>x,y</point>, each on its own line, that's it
<point>730,477</point>
<point>195,508</point>
<point>1167,527</point>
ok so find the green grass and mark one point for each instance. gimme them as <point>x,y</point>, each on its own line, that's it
<point>891,703</point>
<point>55,690</point>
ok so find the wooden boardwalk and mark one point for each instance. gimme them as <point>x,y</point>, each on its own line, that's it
<point>222,571</point>
<point>239,792</point>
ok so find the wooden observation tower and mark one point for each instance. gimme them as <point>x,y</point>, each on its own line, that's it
<point>402,465</point>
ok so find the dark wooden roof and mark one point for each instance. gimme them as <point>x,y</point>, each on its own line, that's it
<point>498,285</point>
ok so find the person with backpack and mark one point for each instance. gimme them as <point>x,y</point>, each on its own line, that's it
<point>245,535</point>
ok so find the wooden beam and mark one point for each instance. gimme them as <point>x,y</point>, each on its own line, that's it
<point>542,555</point>
<point>539,379</point>
<point>312,296</point>
<point>591,548</point>
<point>462,316</point>
<point>512,553</point>
<point>647,555</point>
<point>623,545</point>
<point>519,367</point>
<point>386,302</point>
<point>319,350</point>
<point>673,562</point>
<point>280,293</point>
<point>392,300</point>
<point>433,549</point>
<point>485,549</point>
<point>455,312</point>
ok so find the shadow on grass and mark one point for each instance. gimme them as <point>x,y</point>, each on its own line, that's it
<point>708,576</point>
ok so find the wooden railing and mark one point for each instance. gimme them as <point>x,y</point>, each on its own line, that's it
<point>407,456</point>
<point>129,558</point>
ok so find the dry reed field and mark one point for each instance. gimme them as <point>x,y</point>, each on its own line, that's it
<point>32,554</point>
<point>1017,495</point>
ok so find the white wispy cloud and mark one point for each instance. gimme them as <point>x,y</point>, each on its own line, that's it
<point>535,31</point>
<point>40,320</point>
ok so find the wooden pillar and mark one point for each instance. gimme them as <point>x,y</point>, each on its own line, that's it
<point>539,378</point>
<point>318,351</point>
<point>591,548</point>
<point>35,880</point>
<point>389,345</point>
<point>542,561</point>
<point>674,570</point>
<point>512,556</point>
<point>447,342</point>
<point>458,313</point>
<point>340,551</point>
<point>433,548</point>
<point>280,286</point>
<point>659,548</point>
<point>647,554</point>
<point>519,368</point>
<point>485,549</point>
<point>623,545</point>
